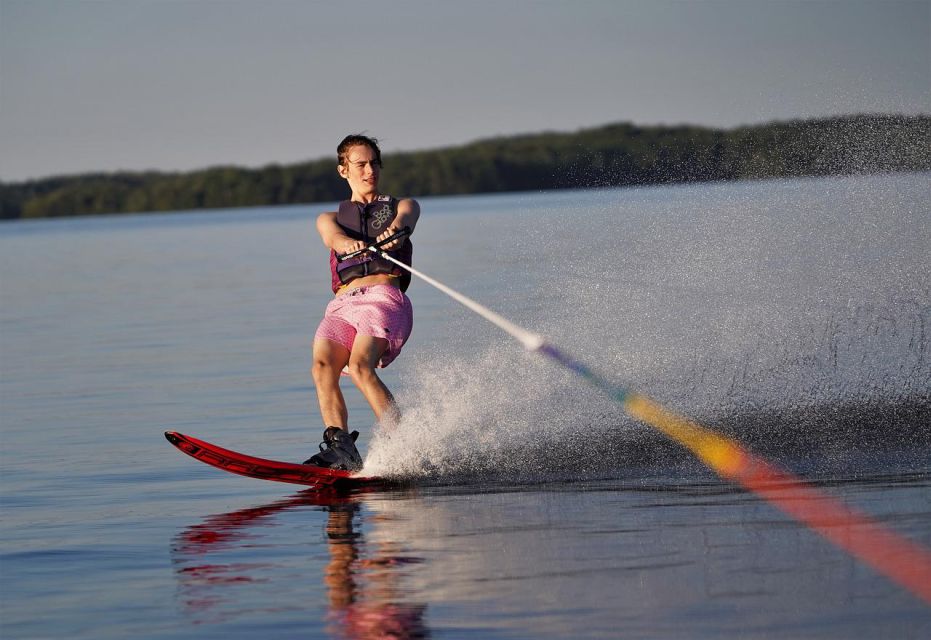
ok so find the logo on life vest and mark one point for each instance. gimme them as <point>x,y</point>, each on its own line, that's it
<point>380,217</point>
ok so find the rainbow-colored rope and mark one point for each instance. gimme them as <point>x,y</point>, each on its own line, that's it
<point>899,559</point>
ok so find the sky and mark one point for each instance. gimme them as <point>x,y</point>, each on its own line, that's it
<point>107,85</point>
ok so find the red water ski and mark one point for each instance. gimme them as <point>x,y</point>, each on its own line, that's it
<point>252,467</point>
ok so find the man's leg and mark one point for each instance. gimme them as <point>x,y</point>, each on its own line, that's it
<point>338,450</point>
<point>329,359</point>
<point>366,352</point>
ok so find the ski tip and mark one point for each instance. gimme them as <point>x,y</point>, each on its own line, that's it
<point>172,437</point>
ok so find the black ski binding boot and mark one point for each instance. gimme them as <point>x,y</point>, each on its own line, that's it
<point>338,451</point>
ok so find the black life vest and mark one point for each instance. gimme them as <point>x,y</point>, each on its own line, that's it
<point>365,222</point>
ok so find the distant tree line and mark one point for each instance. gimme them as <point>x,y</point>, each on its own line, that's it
<point>613,155</point>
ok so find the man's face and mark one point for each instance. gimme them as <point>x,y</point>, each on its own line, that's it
<point>361,170</point>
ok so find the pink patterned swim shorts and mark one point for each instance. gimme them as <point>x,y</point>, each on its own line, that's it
<point>380,310</point>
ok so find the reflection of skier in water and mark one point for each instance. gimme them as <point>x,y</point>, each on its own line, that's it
<point>374,609</point>
<point>364,597</point>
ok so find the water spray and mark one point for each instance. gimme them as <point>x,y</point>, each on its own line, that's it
<point>901,560</point>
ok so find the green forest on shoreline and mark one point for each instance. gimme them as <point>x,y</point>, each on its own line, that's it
<point>613,155</point>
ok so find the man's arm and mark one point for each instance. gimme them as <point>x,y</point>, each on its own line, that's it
<point>408,214</point>
<point>333,236</point>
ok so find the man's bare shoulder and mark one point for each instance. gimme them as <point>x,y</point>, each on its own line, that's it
<point>408,204</point>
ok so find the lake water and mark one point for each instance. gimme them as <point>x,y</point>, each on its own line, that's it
<point>793,316</point>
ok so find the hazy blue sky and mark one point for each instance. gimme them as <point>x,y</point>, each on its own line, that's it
<point>170,84</point>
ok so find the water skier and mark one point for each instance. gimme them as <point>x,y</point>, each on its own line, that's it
<point>370,319</point>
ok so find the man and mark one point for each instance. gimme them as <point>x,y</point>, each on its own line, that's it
<point>371,318</point>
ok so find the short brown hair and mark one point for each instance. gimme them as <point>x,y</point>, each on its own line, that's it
<point>354,140</point>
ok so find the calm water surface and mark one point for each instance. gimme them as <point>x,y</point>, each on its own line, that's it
<point>791,315</point>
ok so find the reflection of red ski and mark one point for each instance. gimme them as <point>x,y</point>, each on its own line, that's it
<point>252,467</point>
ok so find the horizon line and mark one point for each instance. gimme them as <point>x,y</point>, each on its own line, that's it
<point>665,125</point>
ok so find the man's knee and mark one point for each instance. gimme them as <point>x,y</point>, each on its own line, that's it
<point>323,369</point>
<point>361,371</point>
